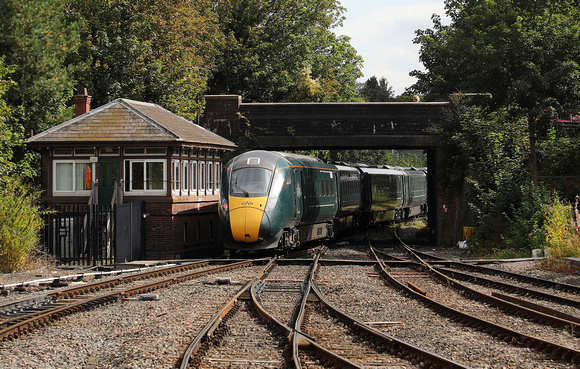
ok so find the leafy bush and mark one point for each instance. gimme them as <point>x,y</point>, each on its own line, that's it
<point>20,220</point>
<point>561,238</point>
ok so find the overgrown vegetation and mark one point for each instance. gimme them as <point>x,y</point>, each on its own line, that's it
<point>400,158</point>
<point>485,158</point>
<point>561,238</point>
<point>524,58</point>
<point>20,221</point>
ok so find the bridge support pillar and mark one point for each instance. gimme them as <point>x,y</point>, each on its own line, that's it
<point>432,196</point>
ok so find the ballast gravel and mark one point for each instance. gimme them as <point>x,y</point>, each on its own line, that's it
<point>127,334</point>
<point>153,334</point>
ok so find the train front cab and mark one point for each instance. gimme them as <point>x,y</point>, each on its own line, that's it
<point>250,210</point>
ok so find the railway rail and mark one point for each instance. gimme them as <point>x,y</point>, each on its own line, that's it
<point>309,342</point>
<point>23,316</point>
<point>286,314</point>
<point>534,315</point>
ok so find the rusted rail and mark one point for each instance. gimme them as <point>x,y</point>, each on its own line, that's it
<point>557,351</point>
<point>36,320</point>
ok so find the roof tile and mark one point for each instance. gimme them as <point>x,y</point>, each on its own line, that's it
<point>125,120</point>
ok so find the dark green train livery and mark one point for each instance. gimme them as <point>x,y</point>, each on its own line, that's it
<point>277,200</point>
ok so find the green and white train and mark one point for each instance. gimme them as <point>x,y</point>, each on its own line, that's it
<point>277,200</point>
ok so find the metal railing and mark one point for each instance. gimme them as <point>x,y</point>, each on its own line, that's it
<point>79,234</point>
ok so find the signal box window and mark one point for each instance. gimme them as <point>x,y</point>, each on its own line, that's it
<point>145,176</point>
<point>73,177</point>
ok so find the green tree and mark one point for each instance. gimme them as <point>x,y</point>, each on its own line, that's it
<point>155,51</point>
<point>8,138</point>
<point>37,39</point>
<point>483,160</point>
<point>525,53</point>
<point>376,90</point>
<point>284,50</point>
<point>11,133</point>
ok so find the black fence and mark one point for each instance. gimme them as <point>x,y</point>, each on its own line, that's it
<point>80,234</point>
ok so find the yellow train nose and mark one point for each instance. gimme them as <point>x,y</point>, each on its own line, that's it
<point>245,217</point>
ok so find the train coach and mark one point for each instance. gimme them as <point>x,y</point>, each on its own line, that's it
<point>277,200</point>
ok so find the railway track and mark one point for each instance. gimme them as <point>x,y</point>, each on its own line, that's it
<point>334,311</point>
<point>23,316</point>
<point>319,336</point>
<point>493,311</point>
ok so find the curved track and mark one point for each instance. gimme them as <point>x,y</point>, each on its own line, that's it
<point>552,348</point>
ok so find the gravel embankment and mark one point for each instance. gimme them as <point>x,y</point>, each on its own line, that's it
<point>368,299</point>
<point>129,334</point>
<point>153,334</point>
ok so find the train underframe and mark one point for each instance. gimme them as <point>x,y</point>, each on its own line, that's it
<point>292,237</point>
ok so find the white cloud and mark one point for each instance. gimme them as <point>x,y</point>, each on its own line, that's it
<point>383,35</point>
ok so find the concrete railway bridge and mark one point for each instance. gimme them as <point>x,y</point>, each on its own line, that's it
<point>310,126</point>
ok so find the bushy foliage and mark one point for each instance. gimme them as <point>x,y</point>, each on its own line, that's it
<point>558,159</point>
<point>561,239</point>
<point>381,157</point>
<point>484,156</point>
<point>284,50</point>
<point>376,90</point>
<point>20,221</point>
<point>11,134</point>
<point>523,52</point>
<point>155,51</point>
<point>36,40</point>
<point>513,232</point>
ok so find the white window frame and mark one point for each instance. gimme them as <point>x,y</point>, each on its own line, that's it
<point>210,177</point>
<point>218,176</point>
<point>145,191</point>
<point>194,177</point>
<point>202,177</point>
<point>73,192</point>
<point>176,176</point>
<point>186,176</point>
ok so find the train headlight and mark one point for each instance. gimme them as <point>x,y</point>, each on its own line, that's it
<point>223,208</point>
<point>272,203</point>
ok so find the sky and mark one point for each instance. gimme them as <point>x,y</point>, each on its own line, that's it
<point>382,32</point>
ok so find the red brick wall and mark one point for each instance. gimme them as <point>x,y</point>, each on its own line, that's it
<point>452,220</point>
<point>165,237</point>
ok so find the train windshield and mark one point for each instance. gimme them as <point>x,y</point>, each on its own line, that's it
<point>250,182</point>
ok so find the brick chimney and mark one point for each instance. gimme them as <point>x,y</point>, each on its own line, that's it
<point>82,102</point>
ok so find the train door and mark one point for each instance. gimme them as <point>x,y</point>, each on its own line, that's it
<point>297,181</point>
<point>406,189</point>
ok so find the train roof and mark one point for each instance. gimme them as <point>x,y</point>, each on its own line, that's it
<point>270,159</point>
